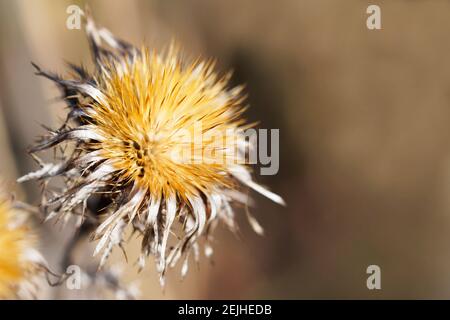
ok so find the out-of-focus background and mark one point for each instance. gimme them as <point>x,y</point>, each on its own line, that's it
<point>364,119</point>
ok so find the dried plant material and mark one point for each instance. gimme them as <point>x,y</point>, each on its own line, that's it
<point>21,265</point>
<point>124,140</point>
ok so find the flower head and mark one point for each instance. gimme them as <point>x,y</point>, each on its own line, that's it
<point>19,261</point>
<point>146,131</point>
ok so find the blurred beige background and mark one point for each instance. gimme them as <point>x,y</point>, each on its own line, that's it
<point>364,118</point>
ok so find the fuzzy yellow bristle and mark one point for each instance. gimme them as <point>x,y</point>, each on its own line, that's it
<point>12,247</point>
<point>149,109</point>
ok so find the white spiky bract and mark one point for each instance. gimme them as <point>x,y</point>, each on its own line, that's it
<point>131,118</point>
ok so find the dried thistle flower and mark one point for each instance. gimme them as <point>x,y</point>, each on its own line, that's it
<point>124,132</point>
<point>20,263</point>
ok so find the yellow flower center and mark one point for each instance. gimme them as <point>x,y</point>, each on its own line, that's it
<point>164,124</point>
